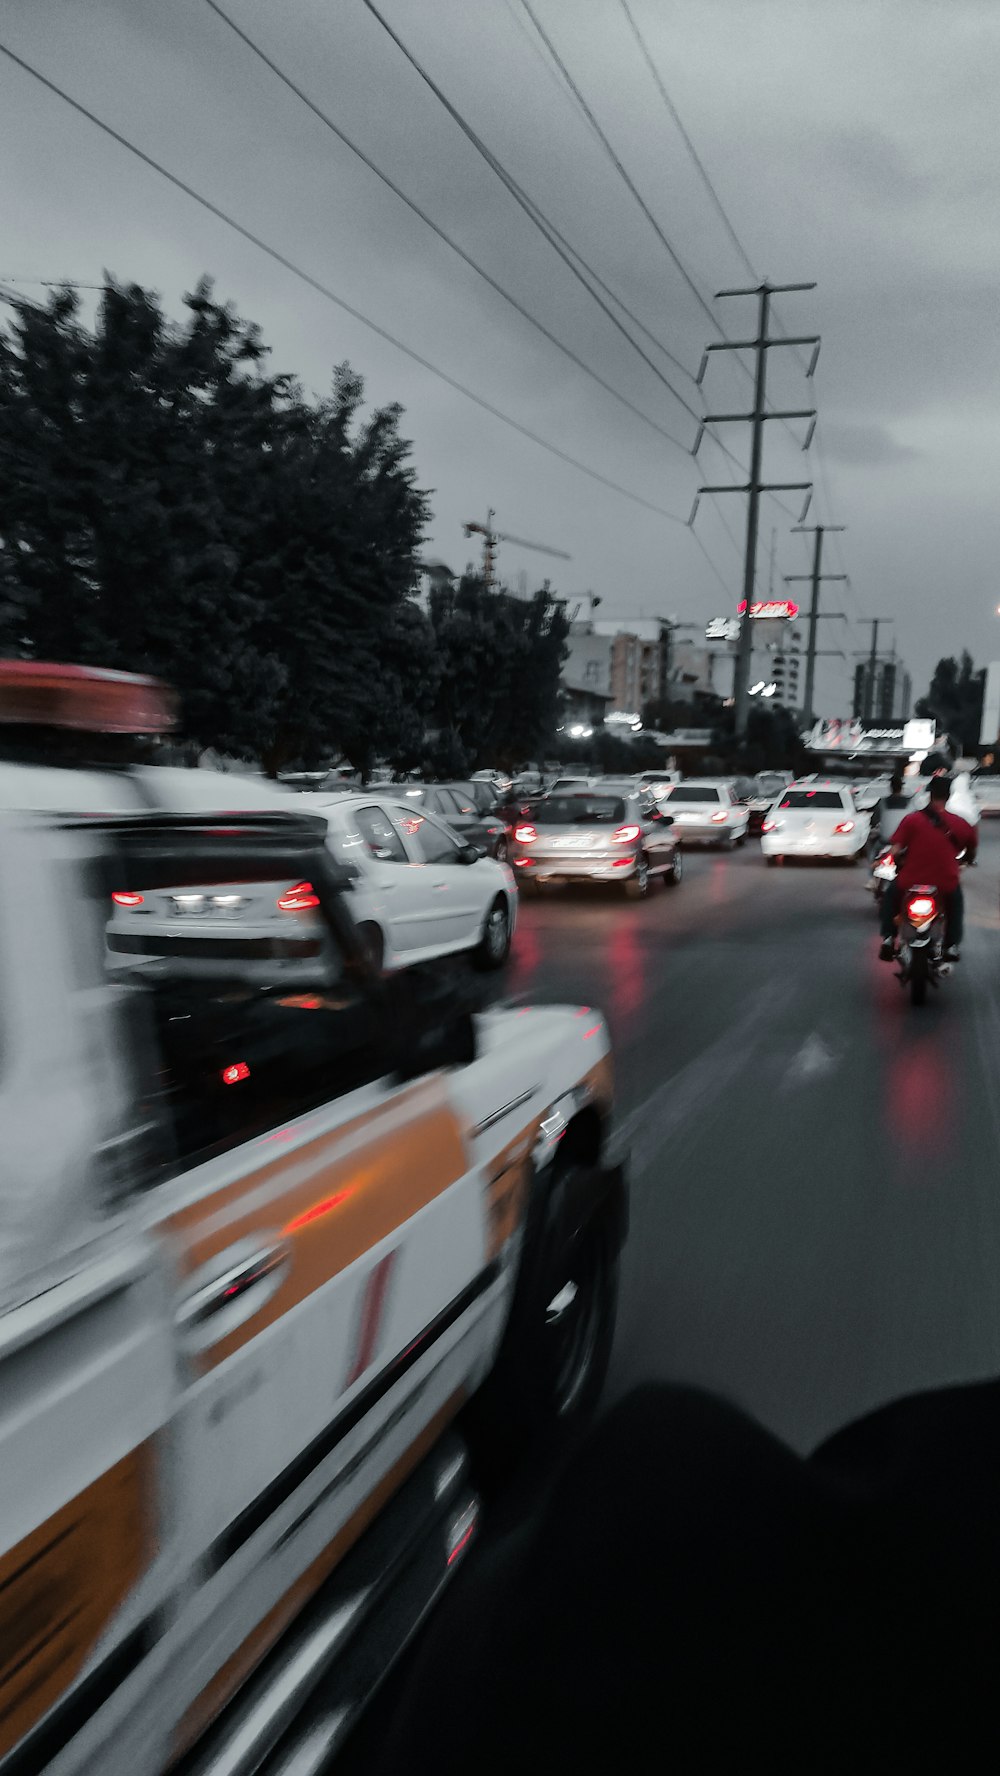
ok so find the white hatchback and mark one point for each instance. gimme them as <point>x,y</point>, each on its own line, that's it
<point>815,820</point>
<point>419,892</point>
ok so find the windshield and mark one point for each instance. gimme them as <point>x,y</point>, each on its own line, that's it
<point>813,798</point>
<point>580,810</point>
<point>693,792</point>
<point>771,786</point>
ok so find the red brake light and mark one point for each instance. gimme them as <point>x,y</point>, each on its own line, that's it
<point>844,826</point>
<point>922,907</point>
<point>769,826</point>
<point>122,897</point>
<point>719,817</point>
<point>232,1075</point>
<point>626,835</point>
<point>525,835</point>
<point>298,899</point>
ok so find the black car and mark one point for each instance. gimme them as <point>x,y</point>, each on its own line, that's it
<point>451,803</point>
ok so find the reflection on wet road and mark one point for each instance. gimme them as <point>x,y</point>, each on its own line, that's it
<point>816,1218</point>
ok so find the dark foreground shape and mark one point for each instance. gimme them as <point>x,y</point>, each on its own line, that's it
<point>695,1596</point>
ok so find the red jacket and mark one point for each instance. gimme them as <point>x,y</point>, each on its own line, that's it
<point>932,851</point>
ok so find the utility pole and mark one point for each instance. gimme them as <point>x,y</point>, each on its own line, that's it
<point>815,577</point>
<point>753,488</point>
<point>876,622</point>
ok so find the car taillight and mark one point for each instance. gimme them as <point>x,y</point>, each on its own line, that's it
<point>844,826</point>
<point>298,899</point>
<point>921,908</point>
<point>626,835</point>
<point>717,819</point>
<point>769,826</point>
<point>122,897</point>
<point>525,835</point>
<point>235,1074</point>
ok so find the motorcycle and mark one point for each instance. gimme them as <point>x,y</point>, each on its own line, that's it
<point>920,925</point>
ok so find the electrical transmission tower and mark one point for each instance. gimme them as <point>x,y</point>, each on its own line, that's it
<point>819,531</point>
<point>753,488</point>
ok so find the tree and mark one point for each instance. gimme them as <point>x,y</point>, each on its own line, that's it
<point>499,660</point>
<point>955,700</point>
<point>166,505</point>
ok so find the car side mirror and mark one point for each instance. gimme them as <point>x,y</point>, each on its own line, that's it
<point>667,819</point>
<point>431,1020</point>
<point>470,854</point>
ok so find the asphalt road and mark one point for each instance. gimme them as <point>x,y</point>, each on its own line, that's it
<point>814,1171</point>
<point>814,1163</point>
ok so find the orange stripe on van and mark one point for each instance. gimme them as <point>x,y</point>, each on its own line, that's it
<point>227,1680</point>
<point>331,1199</point>
<point>61,1586</point>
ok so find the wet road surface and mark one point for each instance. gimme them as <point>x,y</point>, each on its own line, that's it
<point>815,1165</point>
<point>814,1172</point>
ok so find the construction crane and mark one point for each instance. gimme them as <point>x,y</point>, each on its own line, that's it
<point>492,537</point>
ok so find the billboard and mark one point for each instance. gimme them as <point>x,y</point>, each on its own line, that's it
<point>989,727</point>
<point>852,737</point>
<point>771,608</point>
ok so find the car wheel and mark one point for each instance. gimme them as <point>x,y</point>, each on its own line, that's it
<point>502,852</point>
<point>494,945</point>
<point>554,1355</point>
<point>374,943</point>
<point>637,884</point>
<point>675,873</point>
<point>741,838</point>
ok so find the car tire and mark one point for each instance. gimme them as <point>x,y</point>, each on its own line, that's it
<point>374,943</point>
<point>638,884</point>
<point>554,1354</point>
<point>741,839</point>
<point>675,874</point>
<point>493,947</point>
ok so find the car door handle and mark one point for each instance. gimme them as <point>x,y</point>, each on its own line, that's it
<point>207,1312</point>
<point>439,885</point>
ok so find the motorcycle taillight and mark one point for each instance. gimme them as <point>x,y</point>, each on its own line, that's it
<point>921,908</point>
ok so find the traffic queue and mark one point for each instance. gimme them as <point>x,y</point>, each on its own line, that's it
<point>298,1249</point>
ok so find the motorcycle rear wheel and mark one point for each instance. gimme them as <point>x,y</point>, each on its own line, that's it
<point>918,977</point>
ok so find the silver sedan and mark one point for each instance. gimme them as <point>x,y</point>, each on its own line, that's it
<point>596,835</point>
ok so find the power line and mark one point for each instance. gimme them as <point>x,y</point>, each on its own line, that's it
<point>686,139</point>
<point>526,203</point>
<point>675,117</point>
<point>324,291</point>
<point>619,166</point>
<point>442,234</point>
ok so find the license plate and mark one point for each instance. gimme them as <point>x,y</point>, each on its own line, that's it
<point>207,906</point>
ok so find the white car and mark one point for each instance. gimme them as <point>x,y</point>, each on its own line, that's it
<point>705,810</point>
<point>419,892</point>
<point>987,793</point>
<point>815,819</point>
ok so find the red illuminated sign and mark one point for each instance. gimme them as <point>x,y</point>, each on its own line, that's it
<point>771,607</point>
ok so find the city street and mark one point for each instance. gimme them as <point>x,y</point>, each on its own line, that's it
<point>815,1219</point>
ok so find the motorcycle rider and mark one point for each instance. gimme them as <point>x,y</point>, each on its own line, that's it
<point>926,846</point>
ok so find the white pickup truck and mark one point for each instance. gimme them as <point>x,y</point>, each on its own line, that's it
<point>289,1253</point>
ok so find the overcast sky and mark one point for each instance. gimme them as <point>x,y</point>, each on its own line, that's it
<point>851,142</point>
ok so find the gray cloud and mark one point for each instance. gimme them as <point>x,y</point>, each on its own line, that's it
<point>871,445</point>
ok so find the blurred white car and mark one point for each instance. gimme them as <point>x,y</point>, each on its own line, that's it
<point>986,791</point>
<point>705,810</point>
<point>815,819</point>
<point>419,892</point>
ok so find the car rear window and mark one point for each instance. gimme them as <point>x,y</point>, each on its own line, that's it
<point>813,798</point>
<point>579,810</point>
<point>693,792</point>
